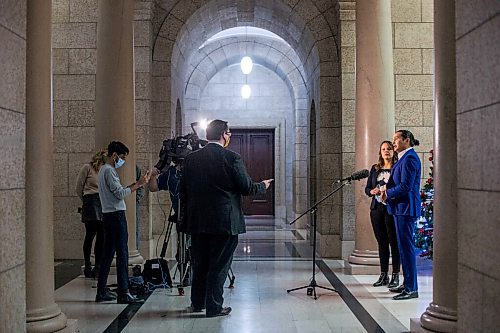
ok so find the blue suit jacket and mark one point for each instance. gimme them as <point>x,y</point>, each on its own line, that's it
<point>403,187</point>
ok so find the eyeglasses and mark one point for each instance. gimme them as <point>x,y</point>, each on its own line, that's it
<point>228,133</point>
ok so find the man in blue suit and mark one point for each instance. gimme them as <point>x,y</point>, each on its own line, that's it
<point>402,196</point>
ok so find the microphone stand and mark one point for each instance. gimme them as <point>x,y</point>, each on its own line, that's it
<point>311,287</point>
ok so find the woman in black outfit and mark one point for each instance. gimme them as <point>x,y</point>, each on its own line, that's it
<point>383,223</point>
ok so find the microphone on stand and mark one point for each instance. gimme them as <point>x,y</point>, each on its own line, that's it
<point>355,176</point>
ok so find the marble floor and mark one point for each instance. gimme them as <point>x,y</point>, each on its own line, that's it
<point>268,261</point>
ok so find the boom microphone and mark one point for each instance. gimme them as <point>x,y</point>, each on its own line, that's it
<point>356,176</point>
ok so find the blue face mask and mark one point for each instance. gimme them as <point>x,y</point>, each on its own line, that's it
<point>119,163</point>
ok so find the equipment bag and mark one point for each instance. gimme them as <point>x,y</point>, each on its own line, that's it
<point>156,273</point>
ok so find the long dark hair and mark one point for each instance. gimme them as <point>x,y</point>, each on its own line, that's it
<point>381,162</point>
<point>405,134</point>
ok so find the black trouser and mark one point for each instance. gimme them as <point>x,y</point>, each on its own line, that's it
<point>93,229</point>
<point>211,259</point>
<point>385,233</point>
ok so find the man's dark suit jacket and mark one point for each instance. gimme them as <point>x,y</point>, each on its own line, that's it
<point>212,183</point>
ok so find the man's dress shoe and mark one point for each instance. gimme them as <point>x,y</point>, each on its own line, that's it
<point>105,296</point>
<point>223,312</point>
<point>127,298</point>
<point>406,295</point>
<point>398,290</point>
<point>193,309</point>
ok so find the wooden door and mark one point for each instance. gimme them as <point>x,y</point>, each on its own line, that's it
<point>256,147</point>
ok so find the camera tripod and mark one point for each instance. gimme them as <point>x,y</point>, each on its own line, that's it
<point>184,258</point>
<point>311,287</point>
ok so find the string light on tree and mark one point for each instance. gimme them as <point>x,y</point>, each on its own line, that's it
<point>424,230</point>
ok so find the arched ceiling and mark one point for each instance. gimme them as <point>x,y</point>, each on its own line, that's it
<point>271,53</point>
<point>308,26</point>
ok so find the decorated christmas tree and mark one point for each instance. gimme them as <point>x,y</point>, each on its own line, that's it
<point>425,224</point>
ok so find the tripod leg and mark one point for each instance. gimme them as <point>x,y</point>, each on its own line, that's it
<point>231,278</point>
<point>166,238</point>
<point>290,290</point>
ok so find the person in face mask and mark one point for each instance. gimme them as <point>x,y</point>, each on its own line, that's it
<point>112,194</point>
<point>210,189</point>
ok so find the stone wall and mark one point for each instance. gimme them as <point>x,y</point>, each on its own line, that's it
<point>413,41</point>
<point>347,27</point>
<point>74,51</point>
<point>12,180</point>
<point>478,121</point>
<point>146,151</point>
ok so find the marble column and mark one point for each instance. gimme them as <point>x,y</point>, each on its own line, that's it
<point>374,118</point>
<point>441,314</point>
<point>115,118</point>
<point>42,313</point>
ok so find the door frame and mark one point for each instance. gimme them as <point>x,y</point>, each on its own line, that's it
<point>278,125</point>
<point>272,150</point>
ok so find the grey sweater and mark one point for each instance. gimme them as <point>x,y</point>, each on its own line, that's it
<point>111,191</point>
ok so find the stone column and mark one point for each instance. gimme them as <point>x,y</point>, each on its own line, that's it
<point>115,118</point>
<point>374,118</point>
<point>42,313</point>
<point>441,314</point>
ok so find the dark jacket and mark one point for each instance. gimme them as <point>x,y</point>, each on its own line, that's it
<point>371,183</point>
<point>403,188</point>
<point>212,183</point>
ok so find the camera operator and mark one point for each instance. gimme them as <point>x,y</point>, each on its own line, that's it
<point>212,183</point>
<point>167,181</point>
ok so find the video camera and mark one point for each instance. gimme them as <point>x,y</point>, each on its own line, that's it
<point>176,149</point>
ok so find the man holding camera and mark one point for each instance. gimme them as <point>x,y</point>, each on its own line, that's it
<point>212,183</point>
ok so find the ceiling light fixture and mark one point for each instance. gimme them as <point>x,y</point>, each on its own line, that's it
<point>246,65</point>
<point>246,91</point>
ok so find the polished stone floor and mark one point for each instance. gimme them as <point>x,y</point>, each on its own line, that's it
<point>268,261</point>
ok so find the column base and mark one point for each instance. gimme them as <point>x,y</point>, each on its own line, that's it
<point>49,319</point>
<point>415,326</point>
<point>71,327</point>
<point>363,262</point>
<point>135,258</point>
<point>438,318</point>
<point>356,269</point>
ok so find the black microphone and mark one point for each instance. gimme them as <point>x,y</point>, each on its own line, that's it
<point>356,176</point>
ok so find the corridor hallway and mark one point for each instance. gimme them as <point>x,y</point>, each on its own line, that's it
<point>268,261</point>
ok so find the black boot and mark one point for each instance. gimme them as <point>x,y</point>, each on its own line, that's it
<point>383,279</point>
<point>87,271</point>
<point>394,280</point>
<point>95,272</point>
